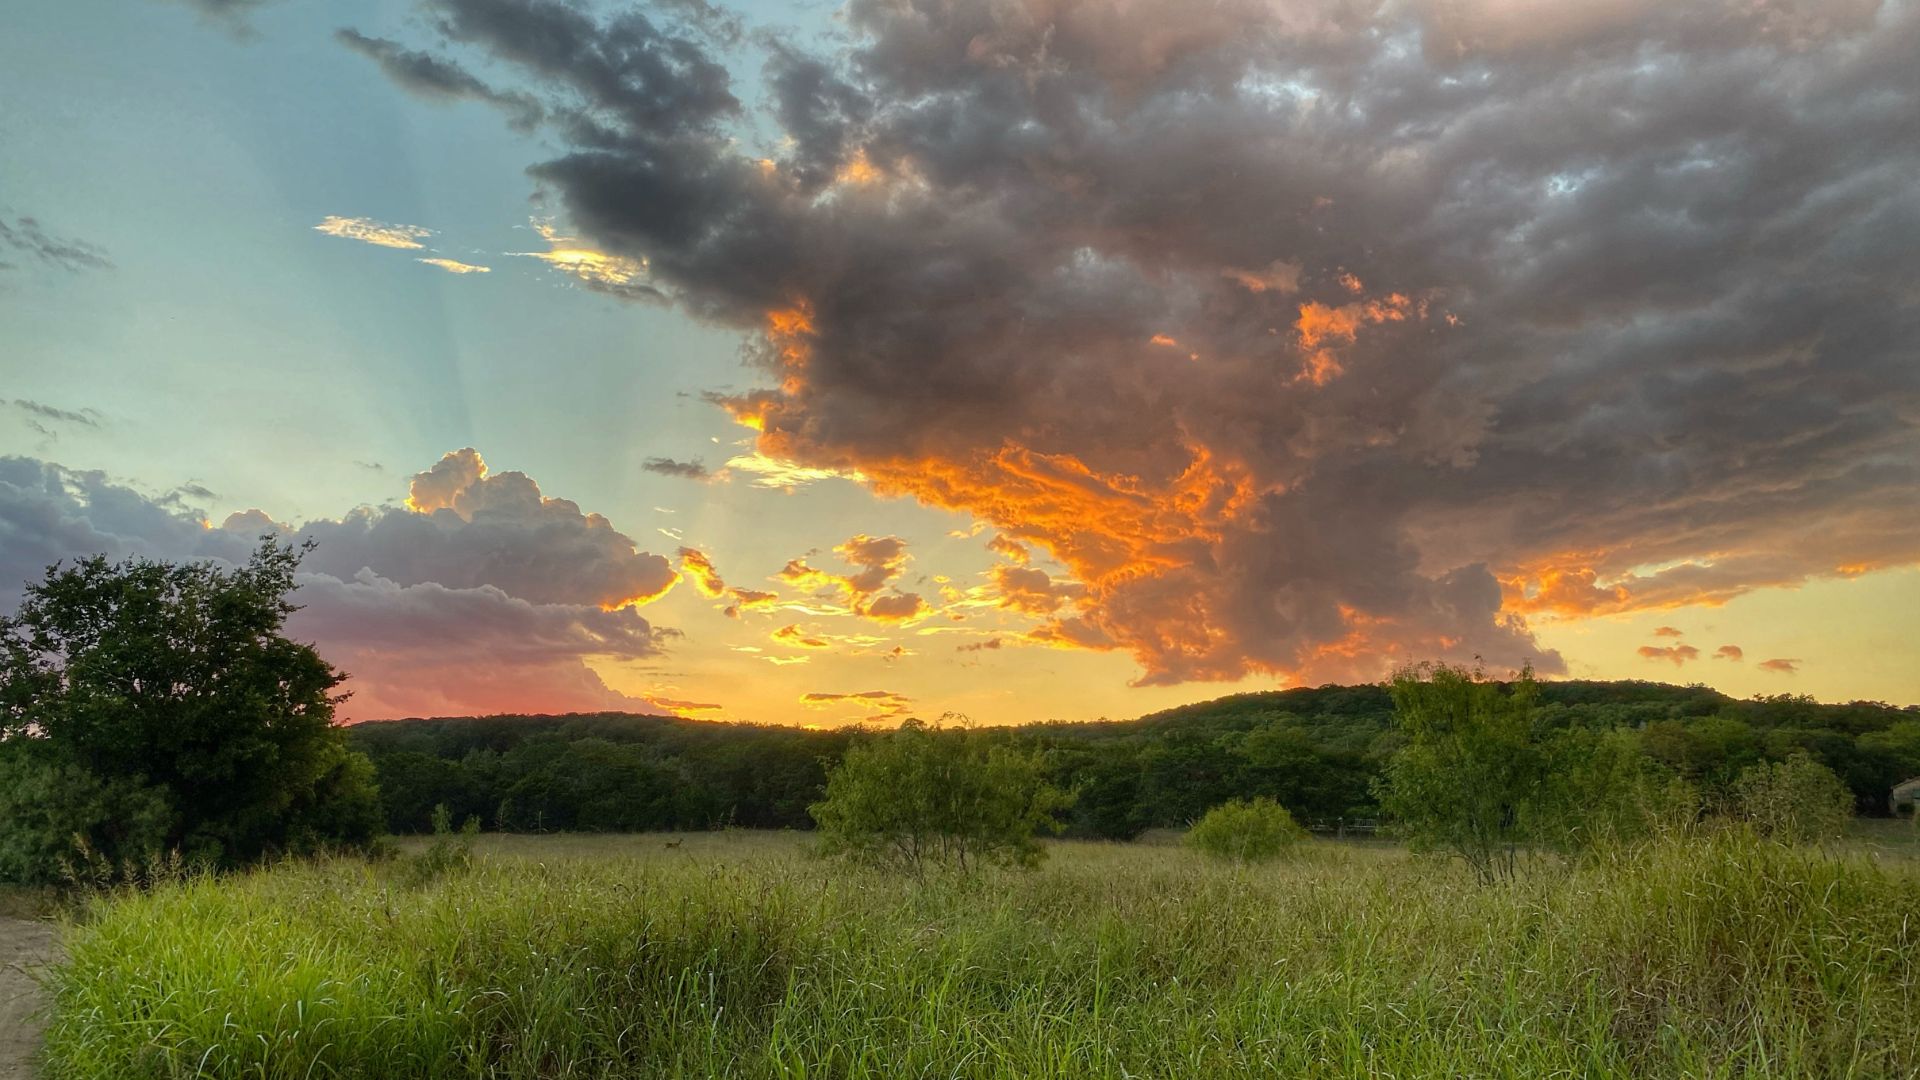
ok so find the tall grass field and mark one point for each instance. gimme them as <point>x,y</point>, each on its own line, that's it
<point>740,956</point>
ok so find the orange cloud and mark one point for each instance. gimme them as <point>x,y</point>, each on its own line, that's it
<point>1030,590</point>
<point>1781,666</point>
<point>1729,652</point>
<point>378,233</point>
<point>1278,277</point>
<point>682,707</point>
<point>1320,329</point>
<point>455,266</point>
<point>616,274</point>
<point>1679,654</point>
<point>1668,631</point>
<point>880,560</point>
<point>1561,588</point>
<point>748,600</point>
<point>1009,548</point>
<point>699,569</point>
<point>791,634</point>
<point>884,704</point>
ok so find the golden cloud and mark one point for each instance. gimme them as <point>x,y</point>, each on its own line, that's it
<point>378,233</point>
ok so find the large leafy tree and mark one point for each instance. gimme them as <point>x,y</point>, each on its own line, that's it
<point>150,706</point>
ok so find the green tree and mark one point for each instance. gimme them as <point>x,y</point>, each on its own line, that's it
<point>1797,800</point>
<point>1471,778</point>
<point>1246,831</point>
<point>166,707</point>
<point>1605,789</point>
<point>923,796</point>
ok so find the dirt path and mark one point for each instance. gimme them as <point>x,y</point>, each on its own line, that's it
<point>25,947</point>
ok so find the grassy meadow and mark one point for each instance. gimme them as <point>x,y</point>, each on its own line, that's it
<point>739,955</point>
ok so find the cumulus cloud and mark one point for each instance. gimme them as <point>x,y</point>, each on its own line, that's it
<point>25,236</point>
<point>1668,631</point>
<point>1486,311</point>
<point>1730,652</point>
<point>377,233</point>
<point>1781,666</point>
<point>466,526</point>
<point>484,597</point>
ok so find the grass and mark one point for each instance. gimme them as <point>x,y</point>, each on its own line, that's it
<point>733,955</point>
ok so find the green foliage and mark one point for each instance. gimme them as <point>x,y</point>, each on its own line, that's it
<point>58,821</point>
<point>161,709</point>
<point>1246,831</point>
<point>598,772</point>
<point>1604,790</point>
<point>1797,800</point>
<point>922,797</point>
<point>1316,751</point>
<point>450,852</point>
<point>1473,778</point>
<point>1709,955</point>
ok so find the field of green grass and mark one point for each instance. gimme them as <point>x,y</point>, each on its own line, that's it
<point>738,955</point>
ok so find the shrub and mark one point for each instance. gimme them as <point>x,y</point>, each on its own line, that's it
<point>1797,800</point>
<point>1473,777</point>
<point>1246,831</point>
<point>922,797</point>
<point>450,851</point>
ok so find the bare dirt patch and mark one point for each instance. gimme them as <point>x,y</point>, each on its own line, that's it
<point>26,946</point>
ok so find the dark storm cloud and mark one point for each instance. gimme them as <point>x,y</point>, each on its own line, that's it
<point>1309,337</point>
<point>437,78</point>
<point>26,236</point>
<point>686,470</point>
<point>488,599</point>
<point>49,420</point>
<point>231,15</point>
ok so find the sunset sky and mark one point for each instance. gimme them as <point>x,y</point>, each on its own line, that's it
<point>1021,359</point>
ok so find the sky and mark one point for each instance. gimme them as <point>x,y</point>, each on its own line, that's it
<point>1014,359</point>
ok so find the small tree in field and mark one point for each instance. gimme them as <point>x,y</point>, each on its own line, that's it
<point>1472,778</point>
<point>150,707</point>
<point>1246,831</point>
<point>922,797</point>
<point>1797,800</point>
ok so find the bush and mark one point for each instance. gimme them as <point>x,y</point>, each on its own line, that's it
<point>922,797</point>
<point>1474,777</point>
<point>449,852</point>
<point>1797,800</point>
<point>1246,831</point>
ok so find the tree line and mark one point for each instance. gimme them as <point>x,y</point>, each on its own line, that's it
<point>1318,752</point>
